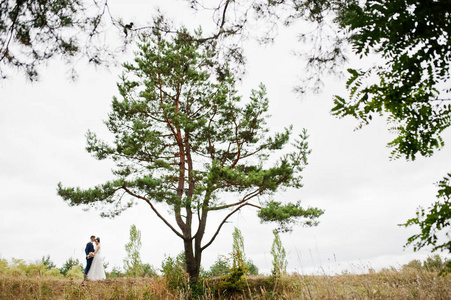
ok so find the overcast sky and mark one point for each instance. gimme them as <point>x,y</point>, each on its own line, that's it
<point>364,194</point>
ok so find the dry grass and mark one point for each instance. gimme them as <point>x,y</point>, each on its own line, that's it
<point>388,284</point>
<point>62,288</point>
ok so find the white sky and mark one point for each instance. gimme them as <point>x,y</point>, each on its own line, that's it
<point>42,131</point>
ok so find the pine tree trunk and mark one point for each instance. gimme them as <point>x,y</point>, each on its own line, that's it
<point>193,251</point>
<point>193,260</point>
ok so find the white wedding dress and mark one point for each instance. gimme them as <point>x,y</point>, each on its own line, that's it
<point>96,272</point>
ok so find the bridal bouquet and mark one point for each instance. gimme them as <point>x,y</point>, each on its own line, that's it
<point>91,254</point>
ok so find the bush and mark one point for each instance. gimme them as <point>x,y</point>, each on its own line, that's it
<point>75,273</point>
<point>413,264</point>
<point>251,268</point>
<point>174,272</point>
<point>132,263</point>
<point>20,267</point>
<point>279,255</point>
<point>149,271</point>
<point>432,264</point>
<point>231,283</point>
<point>115,273</point>
<point>220,267</point>
<point>53,273</point>
<point>69,264</point>
<point>3,265</point>
<point>36,269</point>
<point>47,262</point>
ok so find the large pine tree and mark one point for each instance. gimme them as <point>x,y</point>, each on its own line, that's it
<point>183,138</point>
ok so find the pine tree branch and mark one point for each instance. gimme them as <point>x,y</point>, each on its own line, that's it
<point>224,221</point>
<point>245,198</point>
<point>154,209</point>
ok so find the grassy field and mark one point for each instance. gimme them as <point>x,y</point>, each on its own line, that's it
<point>387,284</point>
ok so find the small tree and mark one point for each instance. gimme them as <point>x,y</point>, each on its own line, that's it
<point>47,262</point>
<point>183,139</point>
<point>132,263</point>
<point>220,267</point>
<point>413,264</point>
<point>238,255</point>
<point>435,263</point>
<point>149,270</point>
<point>252,269</point>
<point>70,264</point>
<point>174,271</point>
<point>115,273</point>
<point>279,261</point>
<point>75,273</point>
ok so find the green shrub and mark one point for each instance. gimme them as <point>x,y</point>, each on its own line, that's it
<point>115,273</point>
<point>238,256</point>
<point>251,268</point>
<point>234,282</point>
<point>220,267</point>
<point>434,263</point>
<point>279,255</point>
<point>53,273</point>
<point>174,272</point>
<point>47,262</point>
<point>149,270</point>
<point>132,263</point>
<point>75,273</point>
<point>3,265</point>
<point>69,264</point>
<point>36,269</point>
<point>413,264</point>
<point>20,267</point>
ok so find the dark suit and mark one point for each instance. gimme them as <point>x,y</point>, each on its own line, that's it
<point>89,248</point>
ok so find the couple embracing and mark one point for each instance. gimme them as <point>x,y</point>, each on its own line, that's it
<point>94,264</point>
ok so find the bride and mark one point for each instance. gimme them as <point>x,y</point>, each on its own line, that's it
<point>96,272</point>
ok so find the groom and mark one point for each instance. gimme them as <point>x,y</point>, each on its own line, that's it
<point>89,248</point>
